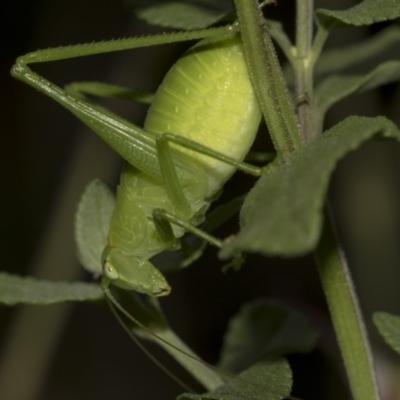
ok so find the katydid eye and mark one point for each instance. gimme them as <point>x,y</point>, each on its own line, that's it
<point>110,272</point>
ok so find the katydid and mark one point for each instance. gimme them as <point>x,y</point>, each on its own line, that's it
<point>207,107</point>
<point>200,126</point>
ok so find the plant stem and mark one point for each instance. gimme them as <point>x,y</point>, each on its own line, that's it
<point>346,315</point>
<point>208,377</point>
<point>149,322</point>
<point>331,262</point>
<point>304,69</point>
<point>267,78</point>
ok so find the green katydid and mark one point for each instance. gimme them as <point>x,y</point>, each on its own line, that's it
<point>206,108</point>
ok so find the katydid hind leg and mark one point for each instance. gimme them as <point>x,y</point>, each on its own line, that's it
<point>125,138</point>
<point>132,143</point>
<point>109,46</point>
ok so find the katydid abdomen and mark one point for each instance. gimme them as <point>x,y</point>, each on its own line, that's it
<point>207,97</point>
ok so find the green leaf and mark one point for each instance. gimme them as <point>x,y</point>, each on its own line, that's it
<point>366,12</point>
<point>266,380</point>
<point>92,224</point>
<point>283,213</point>
<point>265,328</point>
<point>360,58</point>
<point>389,327</point>
<point>182,14</point>
<point>336,88</point>
<point>15,289</point>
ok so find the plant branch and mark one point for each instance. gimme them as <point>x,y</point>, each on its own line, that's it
<point>267,78</point>
<point>304,69</point>
<point>346,315</point>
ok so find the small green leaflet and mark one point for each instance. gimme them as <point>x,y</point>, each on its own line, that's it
<point>265,328</point>
<point>266,380</point>
<point>361,57</point>
<point>186,14</point>
<point>15,289</point>
<point>357,68</point>
<point>92,224</point>
<point>388,326</point>
<point>336,88</point>
<point>366,12</point>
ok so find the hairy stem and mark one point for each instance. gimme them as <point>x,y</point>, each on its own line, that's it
<point>331,262</point>
<point>346,315</point>
<point>304,69</point>
<point>267,78</point>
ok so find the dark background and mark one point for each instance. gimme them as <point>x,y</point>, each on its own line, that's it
<point>48,157</point>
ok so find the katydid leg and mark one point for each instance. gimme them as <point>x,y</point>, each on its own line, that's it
<point>161,214</point>
<point>100,89</point>
<point>132,143</point>
<point>199,148</point>
<point>169,172</point>
<point>164,229</point>
<point>81,50</point>
<point>170,175</point>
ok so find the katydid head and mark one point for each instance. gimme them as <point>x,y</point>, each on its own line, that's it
<point>133,273</point>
